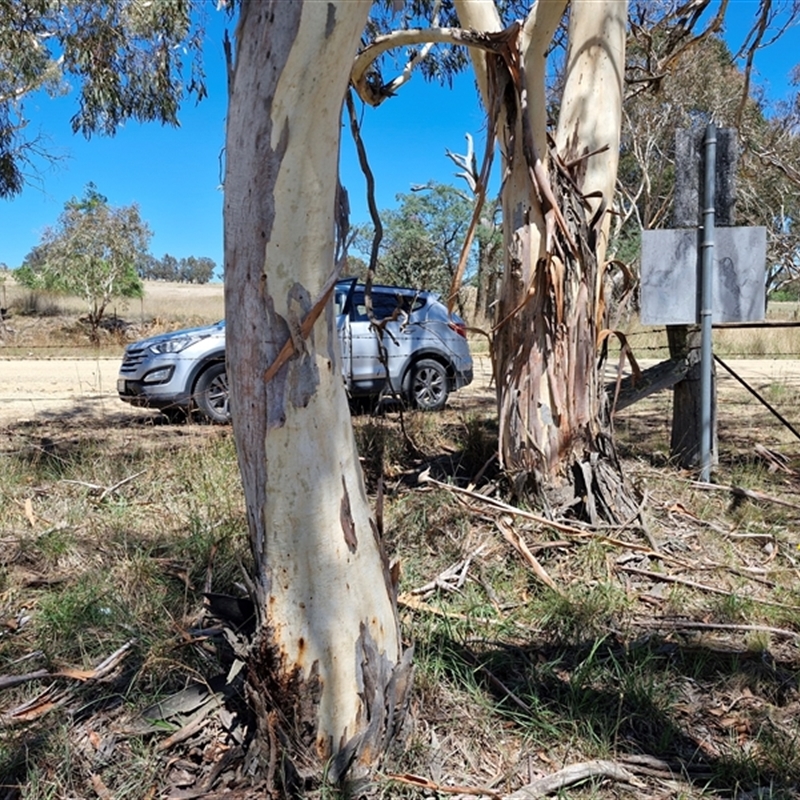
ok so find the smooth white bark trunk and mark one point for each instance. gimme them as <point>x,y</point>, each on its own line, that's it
<point>590,118</point>
<point>324,596</point>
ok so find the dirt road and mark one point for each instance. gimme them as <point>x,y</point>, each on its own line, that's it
<point>76,388</point>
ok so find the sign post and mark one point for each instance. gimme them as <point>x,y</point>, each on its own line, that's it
<point>706,280</point>
<point>697,273</point>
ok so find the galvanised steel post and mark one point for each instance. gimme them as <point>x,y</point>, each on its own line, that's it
<point>706,300</point>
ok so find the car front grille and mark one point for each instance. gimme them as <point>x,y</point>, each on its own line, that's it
<point>132,359</point>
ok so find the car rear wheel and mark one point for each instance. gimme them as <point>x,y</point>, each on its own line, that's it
<point>428,389</point>
<point>211,394</point>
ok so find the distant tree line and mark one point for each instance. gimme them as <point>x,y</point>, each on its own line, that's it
<point>181,270</point>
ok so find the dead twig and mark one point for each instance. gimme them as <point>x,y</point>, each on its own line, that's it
<point>100,671</point>
<point>664,578</point>
<point>452,578</point>
<point>407,600</point>
<point>9,681</point>
<point>562,527</point>
<point>105,491</point>
<point>518,543</point>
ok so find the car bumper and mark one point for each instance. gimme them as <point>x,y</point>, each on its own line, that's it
<point>462,378</point>
<point>146,395</point>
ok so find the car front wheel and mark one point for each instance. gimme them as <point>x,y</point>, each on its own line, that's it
<point>211,394</point>
<point>428,389</point>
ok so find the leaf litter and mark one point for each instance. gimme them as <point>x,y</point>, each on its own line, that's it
<point>656,659</point>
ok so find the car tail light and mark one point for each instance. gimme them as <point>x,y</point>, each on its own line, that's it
<point>459,327</point>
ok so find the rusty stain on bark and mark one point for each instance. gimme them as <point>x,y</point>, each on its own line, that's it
<point>346,519</point>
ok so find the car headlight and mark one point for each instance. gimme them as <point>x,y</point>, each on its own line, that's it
<point>175,344</point>
<point>158,375</point>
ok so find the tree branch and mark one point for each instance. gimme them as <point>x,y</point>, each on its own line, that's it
<point>369,86</point>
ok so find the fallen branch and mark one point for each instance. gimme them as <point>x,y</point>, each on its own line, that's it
<point>749,494</point>
<point>664,578</point>
<point>677,624</point>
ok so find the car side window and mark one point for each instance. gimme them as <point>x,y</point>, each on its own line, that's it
<point>383,305</point>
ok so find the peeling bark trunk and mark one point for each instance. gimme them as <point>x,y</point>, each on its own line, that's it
<point>555,436</point>
<point>326,669</point>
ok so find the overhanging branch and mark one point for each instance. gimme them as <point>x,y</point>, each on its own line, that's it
<point>373,91</point>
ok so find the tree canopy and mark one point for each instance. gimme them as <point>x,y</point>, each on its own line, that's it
<point>91,252</point>
<point>131,59</point>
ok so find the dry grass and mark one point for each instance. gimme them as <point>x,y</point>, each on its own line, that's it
<point>47,324</point>
<point>650,342</point>
<point>673,637</point>
<point>172,302</point>
<point>514,680</point>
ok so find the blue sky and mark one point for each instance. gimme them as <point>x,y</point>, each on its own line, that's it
<point>174,174</point>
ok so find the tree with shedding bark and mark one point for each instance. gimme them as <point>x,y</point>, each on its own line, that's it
<point>555,438</point>
<point>557,195</point>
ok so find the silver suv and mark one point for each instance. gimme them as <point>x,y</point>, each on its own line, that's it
<point>411,334</point>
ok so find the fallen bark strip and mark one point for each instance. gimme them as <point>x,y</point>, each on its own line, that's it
<point>663,578</point>
<point>36,707</point>
<point>575,773</point>
<point>549,784</point>
<point>423,783</point>
<point>519,544</point>
<point>306,325</point>
<point>677,624</point>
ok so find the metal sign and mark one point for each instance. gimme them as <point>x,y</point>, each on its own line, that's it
<point>669,276</point>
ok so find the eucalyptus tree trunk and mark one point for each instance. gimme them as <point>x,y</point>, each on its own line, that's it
<point>554,427</point>
<point>326,671</point>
